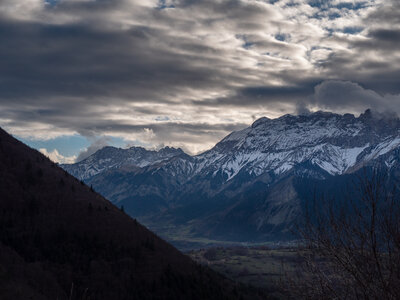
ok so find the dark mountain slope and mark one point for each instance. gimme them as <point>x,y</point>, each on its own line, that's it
<point>59,239</point>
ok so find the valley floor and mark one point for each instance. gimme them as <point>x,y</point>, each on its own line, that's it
<point>257,266</point>
<point>182,237</point>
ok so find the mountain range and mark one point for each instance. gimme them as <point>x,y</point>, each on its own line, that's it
<point>253,185</point>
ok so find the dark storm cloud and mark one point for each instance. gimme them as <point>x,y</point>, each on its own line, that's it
<point>189,71</point>
<point>386,35</point>
<point>167,131</point>
<point>79,60</point>
<point>370,57</point>
<point>262,95</point>
<point>380,39</point>
<point>344,94</point>
<point>387,13</point>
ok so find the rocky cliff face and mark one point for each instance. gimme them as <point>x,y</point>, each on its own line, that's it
<point>247,186</point>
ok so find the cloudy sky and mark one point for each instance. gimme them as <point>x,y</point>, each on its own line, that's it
<point>76,75</point>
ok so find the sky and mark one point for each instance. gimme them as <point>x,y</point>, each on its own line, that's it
<point>76,75</point>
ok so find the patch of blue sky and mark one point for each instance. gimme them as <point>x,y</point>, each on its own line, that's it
<point>334,15</point>
<point>66,145</point>
<point>162,4</point>
<point>323,4</point>
<point>281,37</point>
<point>352,30</point>
<point>247,45</point>
<point>52,2</point>
<point>348,5</point>
<point>69,145</point>
<point>347,30</point>
<point>330,31</point>
<point>352,5</point>
<point>162,118</point>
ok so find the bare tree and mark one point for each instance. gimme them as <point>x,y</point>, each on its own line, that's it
<point>351,248</point>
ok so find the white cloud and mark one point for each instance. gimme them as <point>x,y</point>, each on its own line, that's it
<point>57,157</point>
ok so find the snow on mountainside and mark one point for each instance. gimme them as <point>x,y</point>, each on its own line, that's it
<point>335,143</point>
<point>113,158</point>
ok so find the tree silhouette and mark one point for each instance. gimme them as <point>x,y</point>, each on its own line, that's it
<point>352,247</point>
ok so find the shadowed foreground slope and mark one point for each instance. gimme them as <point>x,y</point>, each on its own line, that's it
<point>61,240</point>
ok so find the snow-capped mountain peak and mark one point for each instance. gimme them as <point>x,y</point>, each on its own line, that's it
<point>332,142</point>
<point>335,143</point>
<point>112,158</point>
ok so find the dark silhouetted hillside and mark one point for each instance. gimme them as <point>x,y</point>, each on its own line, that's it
<point>59,239</point>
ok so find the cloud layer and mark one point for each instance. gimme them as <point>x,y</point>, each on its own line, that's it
<point>187,72</point>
